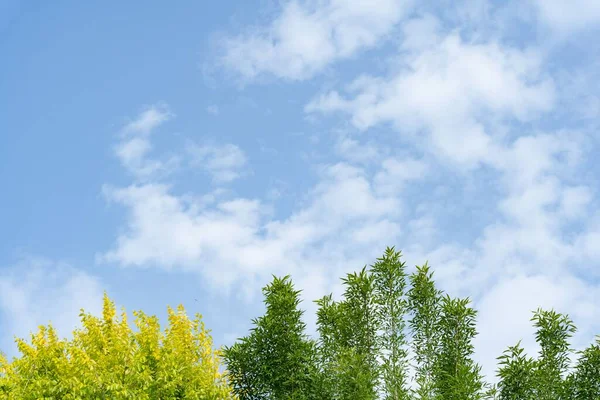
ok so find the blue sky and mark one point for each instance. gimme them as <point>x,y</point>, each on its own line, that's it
<point>184,154</point>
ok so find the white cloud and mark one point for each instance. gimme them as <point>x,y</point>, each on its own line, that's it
<point>223,162</point>
<point>235,240</point>
<point>308,36</point>
<point>448,88</point>
<point>37,292</point>
<point>135,146</point>
<point>395,173</point>
<point>148,120</point>
<point>569,16</point>
<point>172,232</point>
<point>354,151</point>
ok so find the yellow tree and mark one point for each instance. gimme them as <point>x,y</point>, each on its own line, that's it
<point>106,359</point>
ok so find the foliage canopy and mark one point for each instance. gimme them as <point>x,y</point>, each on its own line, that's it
<point>395,336</point>
<point>392,336</point>
<point>106,359</point>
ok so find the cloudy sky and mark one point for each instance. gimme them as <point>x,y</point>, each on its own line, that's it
<point>184,154</point>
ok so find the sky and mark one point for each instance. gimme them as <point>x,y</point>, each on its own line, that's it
<point>184,154</point>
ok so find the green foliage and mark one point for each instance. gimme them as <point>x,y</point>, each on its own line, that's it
<point>516,375</point>
<point>584,382</point>
<point>456,376</point>
<point>358,322</point>
<point>548,377</point>
<point>361,353</point>
<point>425,306</point>
<point>553,333</point>
<point>107,360</point>
<point>390,285</point>
<point>276,361</point>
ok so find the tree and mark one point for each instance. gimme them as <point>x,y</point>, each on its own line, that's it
<point>584,382</point>
<point>357,344</point>
<point>516,375</point>
<point>107,360</point>
<point>277,360</point>
<point>424,303</point>
<point>348,343</point>
<point>456,375</point>
<point>361,349</point>
<point>548,377</point>
<point>331,344</point>
<point>360,353</point>
<point>390,283</point>
<point>553,333</point>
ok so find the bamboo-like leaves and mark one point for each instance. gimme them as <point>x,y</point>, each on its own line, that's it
<point>390,285</point>
<point>516,374</point>
<point>584,382</point>
<point>276,361</point>
<point>553,333</point>
<point>425,307</point>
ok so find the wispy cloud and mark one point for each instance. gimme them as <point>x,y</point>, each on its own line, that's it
<point>568,16</point>
<point>236,240</point>
<point>134,146</point>
<point>148,120</point>
<point>308,36</point>
<point>224,163</point>
<point>447,86</point>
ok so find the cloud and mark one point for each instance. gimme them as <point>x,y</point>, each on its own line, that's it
<point>148,120</point>
<point>235,240</point>
<point>37,292</point>
<point>396,173</point>
<point>222,162</point>
<point>568,16</point>
<point>308,36</point>
<point>134,146</point>
<point>445,88</point>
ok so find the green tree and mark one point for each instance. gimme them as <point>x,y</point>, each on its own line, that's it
<point>361,350</point>
<point>548,377</point>
<point>584,382</point>
<point>457,376</point>
<point>516,375</point>
<point>424,303</point>
<point>348,343</point>
<point>277,360</point>
<point>390,285</point>
<point>330,345</point>
<point>553,333</point>
<point>359,326</point>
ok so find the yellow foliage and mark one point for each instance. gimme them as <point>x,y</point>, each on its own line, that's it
<point>106,359</point>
